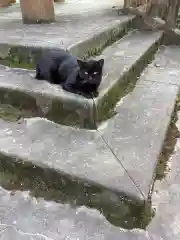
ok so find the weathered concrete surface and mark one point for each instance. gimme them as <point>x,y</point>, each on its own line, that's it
<point>76,153</point>
<point>166,223</point>
<point>66,32</point>
<point>123,54</point>
<point>165,68</point>
<point>120,58</point>
<point>25,218</point>
<point>124,61</point>
<point>19,88</point>
<point>69,7</point>
<point>137,132</point>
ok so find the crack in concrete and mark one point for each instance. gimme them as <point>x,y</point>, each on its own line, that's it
<point>120,162</point>
<point>24,233</point>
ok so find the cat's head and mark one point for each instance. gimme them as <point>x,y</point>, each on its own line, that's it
<point>90,71</point>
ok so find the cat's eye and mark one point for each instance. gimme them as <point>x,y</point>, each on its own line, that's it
<point>86,73</point>
<point>95,73</point>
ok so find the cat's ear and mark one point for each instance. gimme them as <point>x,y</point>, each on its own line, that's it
<point>80,62</point>
<point>101,62</point>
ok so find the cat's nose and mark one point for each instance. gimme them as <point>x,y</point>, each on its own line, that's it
<point>90,78</point>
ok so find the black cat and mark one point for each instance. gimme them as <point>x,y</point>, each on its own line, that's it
<point>75,75</point>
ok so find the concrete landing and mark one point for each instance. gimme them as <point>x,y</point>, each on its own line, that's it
<point>121,59</point>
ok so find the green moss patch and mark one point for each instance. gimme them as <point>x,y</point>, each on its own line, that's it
<point>22,57</point>
<point>11,114</point>
<point>27,57</point>
<point>16,174</point>
<point>114,35</point>
<point>169,144</point>
<point>178,22</point>
<point>124,86</point>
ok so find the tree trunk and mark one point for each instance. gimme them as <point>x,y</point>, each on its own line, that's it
<point>134,3</point>
<point>127,3</point>
<point>157,8</point>
<point>157,14</point>
<point>37,11</point>
<point>172,13</point>
<point>137,3</point>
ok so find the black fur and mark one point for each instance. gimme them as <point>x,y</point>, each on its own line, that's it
<point>75,75</point>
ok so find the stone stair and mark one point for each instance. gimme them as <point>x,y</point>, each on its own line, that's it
<point>122,63</point>
<point>103,152</point>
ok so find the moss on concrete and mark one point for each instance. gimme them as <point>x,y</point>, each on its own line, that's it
<point>61,114</point>
<point>104,109</point>
<point>57,111</point>
<point>178,22</point>
<point>114,35</point>
<point>125,85</point>
<point>26,57</point>
<point>17,99</point>
<point>11,114</point>
<point>22,57</point>
<point>16,174</point>
<point>169,144</point>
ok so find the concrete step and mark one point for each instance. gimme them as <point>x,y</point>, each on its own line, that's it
<point>65,151</point>
<point>69,165</point>
<point>137,133</point>
<point>123,63</point>
<point>134,137</point>
<point>166,56</point>
<point>24,217</point>
<point>80,35</point>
